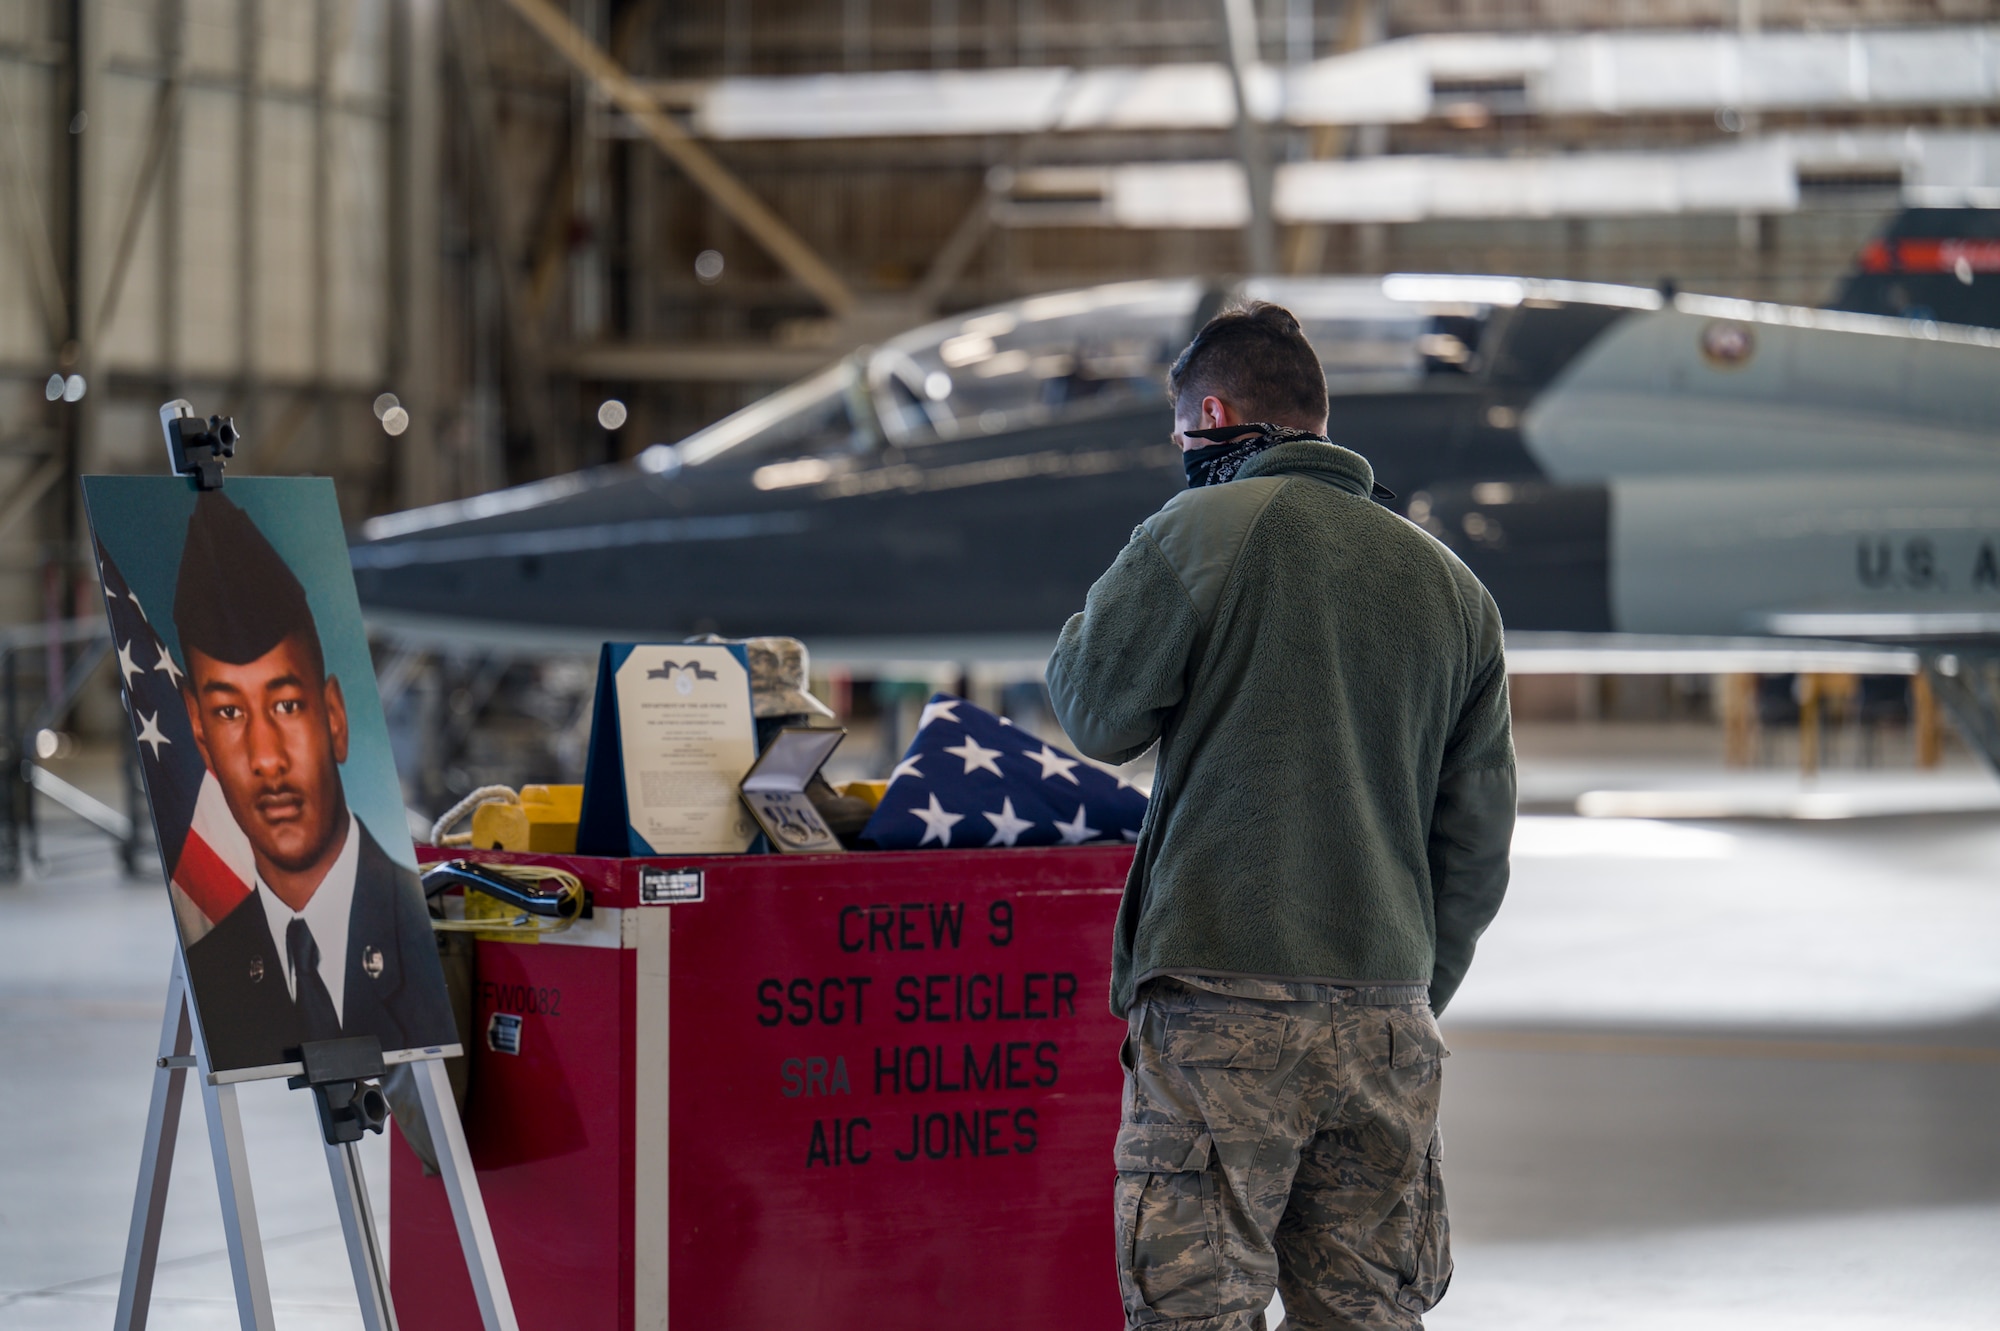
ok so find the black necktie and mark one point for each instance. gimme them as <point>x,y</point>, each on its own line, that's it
<point>315,1003</point>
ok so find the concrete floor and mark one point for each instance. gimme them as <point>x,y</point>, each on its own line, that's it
<point>1731,1076</point>
<point>1717,1075</point>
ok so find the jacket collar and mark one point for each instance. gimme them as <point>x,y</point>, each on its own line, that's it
<point>1329,462</point>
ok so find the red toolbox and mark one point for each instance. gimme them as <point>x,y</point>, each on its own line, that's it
<point>867,1091</point>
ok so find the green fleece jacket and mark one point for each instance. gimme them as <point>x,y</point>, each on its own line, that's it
<point>1334,795</point>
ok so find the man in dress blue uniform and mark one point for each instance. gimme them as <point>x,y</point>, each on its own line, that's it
<point>334,939</point>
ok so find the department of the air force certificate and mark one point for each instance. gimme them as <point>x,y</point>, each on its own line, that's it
<point>687,734</point>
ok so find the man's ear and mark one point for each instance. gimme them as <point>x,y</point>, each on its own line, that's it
<point>1214,412</point>
<point>336,718</point>
<point>193,706</point>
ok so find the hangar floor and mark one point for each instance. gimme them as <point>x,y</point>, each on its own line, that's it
<point>1727,1075</point>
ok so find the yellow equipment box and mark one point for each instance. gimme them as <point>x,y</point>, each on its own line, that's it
<point>545,821</point>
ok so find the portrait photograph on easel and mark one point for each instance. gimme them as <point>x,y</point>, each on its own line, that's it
<point>305,944</point>
<point>267,761</point>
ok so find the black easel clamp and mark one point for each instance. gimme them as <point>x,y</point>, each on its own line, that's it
<point>343,1075</point>
<point>196,447</point>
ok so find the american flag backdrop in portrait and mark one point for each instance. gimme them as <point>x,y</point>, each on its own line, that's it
<point>971,779</point>
<point>207,857</point>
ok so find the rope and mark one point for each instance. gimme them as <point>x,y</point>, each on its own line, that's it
<point>441,834</point>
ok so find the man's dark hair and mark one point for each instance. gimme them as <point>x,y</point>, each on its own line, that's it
<point>1254,357</point>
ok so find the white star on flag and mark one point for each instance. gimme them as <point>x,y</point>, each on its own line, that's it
<point>166,663</point>
<point>938,711</point>
<point>1006,827</point>
<point>907,767</point>
<point>976,758</point>
<point>133,597</point>
<point>938,823</point>
<point>149,732</point>
<point>1075,832</point>
<point>127,667</point>
<point>1130,836</point>
<point>1054,764</point>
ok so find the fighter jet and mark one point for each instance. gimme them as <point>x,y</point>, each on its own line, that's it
<point>1608,459</point>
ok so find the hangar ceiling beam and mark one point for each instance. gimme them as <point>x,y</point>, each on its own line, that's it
<point>497,192</point>
<point>553,232</point>
<point>160,142</point>
<point>952,258</point>
<point>729,193</point>
<point>699,362</point>
<point>1305,245</point>
<point>1931,168</point>
<point>1404,81</point>
<point>1253,150</point>
<point>31,230</point>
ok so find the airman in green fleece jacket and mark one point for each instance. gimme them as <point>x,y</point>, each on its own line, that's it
<point>1327,838</point>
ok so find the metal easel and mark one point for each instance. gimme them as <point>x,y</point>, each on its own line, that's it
<point>181,1050</point>
<point>337,1071</point>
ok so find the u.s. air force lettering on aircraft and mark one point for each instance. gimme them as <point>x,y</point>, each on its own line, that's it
<point>1914,564</point>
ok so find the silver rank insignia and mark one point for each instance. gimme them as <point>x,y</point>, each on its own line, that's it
<point>371,961</point>
<point>256,970</point>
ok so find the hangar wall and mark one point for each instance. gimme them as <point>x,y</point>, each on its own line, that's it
<point>201,202</point>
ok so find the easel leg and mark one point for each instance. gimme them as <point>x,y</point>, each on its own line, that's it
<point>475,1235</point>
<point>239,1208</point>
<point>156,1160</point>
<point>364,1248</point>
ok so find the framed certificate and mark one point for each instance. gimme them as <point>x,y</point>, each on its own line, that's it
<point>671,739</point>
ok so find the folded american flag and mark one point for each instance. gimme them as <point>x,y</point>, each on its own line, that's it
<point>972,779</point>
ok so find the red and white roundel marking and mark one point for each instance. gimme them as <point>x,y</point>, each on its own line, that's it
<point>1727,345</point>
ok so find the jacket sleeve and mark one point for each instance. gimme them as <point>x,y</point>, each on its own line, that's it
<point>1472,823</point>
<point>1121,666</point>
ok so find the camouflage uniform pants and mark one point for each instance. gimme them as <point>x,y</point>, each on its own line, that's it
<point>1280,1136</point>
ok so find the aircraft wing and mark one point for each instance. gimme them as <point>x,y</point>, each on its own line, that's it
<point>1531,653</point>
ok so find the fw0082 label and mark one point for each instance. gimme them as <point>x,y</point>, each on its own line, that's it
<point>666,887</point>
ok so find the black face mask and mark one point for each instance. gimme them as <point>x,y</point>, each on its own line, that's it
<point>1218,462</point>
<point>1202,463</point>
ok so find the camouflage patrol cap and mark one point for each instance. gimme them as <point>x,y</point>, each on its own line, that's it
<point>235,598</point>
<point>778,671</point>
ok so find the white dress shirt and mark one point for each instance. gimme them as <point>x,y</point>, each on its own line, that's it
<point>326,914</point>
